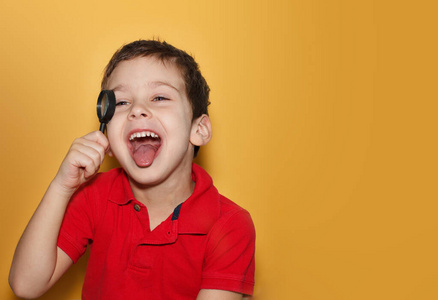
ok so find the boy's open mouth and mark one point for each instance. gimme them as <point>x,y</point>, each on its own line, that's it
<point>144,147</point>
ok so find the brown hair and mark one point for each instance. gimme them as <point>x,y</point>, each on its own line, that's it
<point>196,87</point>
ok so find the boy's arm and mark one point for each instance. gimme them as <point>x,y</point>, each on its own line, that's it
<point>229,261</point>
<point>38,263</point>
<point>207,294</point>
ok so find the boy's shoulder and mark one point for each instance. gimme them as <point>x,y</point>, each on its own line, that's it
<point>109,185</point>
<point>207,208</point>
<point>105,177</point>
<point>205,183</point>
<point>229,207</point>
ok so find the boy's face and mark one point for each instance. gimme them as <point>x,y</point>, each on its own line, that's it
<point>150,132</point>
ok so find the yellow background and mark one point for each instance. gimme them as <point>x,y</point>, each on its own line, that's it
<point>325,128</point>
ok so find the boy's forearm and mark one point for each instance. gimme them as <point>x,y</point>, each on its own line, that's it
<point>35,258</point>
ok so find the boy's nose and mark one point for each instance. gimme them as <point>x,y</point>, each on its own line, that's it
<point>139,111</point>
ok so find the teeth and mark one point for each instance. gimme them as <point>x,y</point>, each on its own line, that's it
<point>143,134</point>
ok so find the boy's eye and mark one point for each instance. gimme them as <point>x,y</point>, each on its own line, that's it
<point>160,98</point>
<point>122,103</point>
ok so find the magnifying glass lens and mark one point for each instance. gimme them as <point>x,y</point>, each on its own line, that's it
<point>104,105</point>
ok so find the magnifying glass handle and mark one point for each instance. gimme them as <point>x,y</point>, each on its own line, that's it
<point>102,127</point>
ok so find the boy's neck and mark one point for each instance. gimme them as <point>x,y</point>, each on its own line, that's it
<point>164,196</point>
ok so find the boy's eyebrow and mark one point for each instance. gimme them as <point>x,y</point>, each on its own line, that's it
<point>153,84</point>
<point>158,83</point>
<point>119,87</point>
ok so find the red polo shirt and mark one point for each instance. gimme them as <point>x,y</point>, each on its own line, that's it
<point>207,243</point>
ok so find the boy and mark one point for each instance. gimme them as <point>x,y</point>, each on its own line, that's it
<point>157,227</point>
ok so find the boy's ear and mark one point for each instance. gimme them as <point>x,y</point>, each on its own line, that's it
<point>201,131</point>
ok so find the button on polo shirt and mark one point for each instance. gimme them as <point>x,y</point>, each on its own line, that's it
<point>208,242</point>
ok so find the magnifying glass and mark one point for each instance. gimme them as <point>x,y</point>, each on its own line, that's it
<point>106,105</point>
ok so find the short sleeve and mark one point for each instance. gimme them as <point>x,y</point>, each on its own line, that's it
<point>77,226</point>
<point>229,260</point>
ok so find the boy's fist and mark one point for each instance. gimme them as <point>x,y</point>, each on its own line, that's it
<point>82,161</point>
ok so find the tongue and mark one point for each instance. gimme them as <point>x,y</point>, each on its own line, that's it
<point>144,155</point>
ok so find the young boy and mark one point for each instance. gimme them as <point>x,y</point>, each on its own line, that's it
<point>157,227</point>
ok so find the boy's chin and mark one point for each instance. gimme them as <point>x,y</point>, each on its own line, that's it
<point>145,177</point>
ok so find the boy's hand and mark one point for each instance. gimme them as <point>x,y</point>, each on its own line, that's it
<point>82,161</point>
